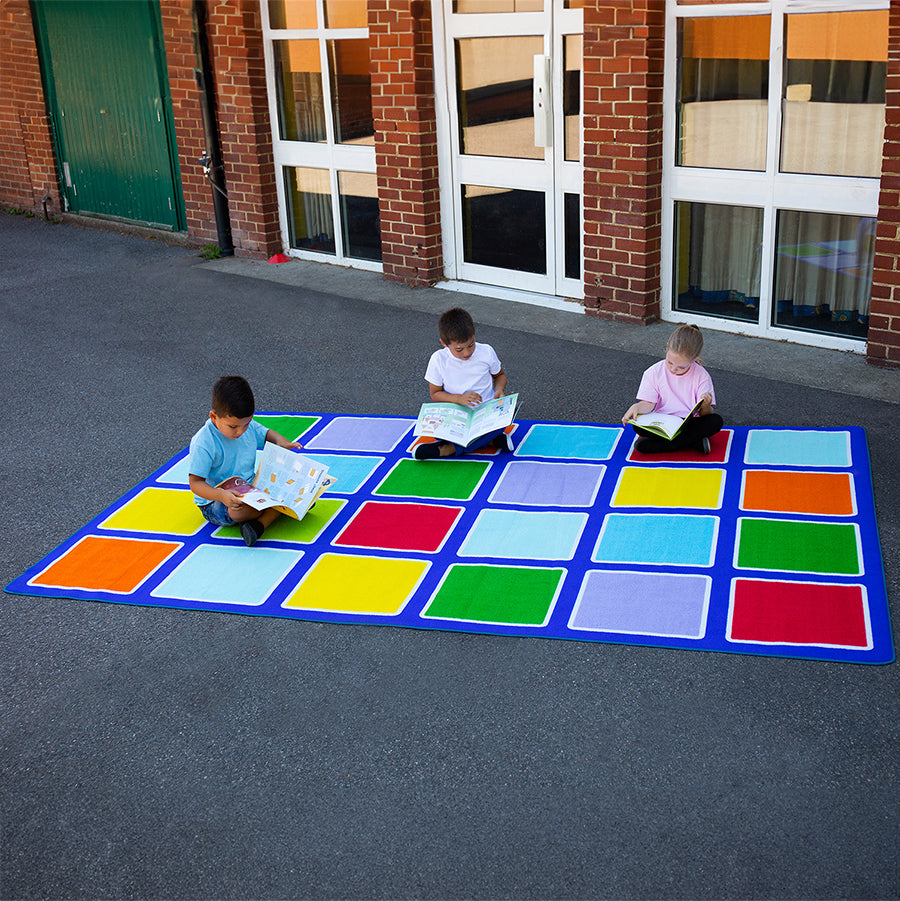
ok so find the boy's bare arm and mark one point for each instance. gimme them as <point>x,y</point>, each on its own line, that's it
<point>499,383</point>
<point>208,492</point>
<point>274,438</point>
<point>439,396</point>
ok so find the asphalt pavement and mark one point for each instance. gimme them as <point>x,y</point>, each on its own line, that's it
<point>162,754</point>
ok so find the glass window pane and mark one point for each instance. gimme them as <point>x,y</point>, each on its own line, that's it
<point>834,92</point>
<point>494,93</point>
<point>360,219</point>
<point>298,82</point>
<point>498,6</point>
<point>717,260</point>
<point>346,14</point>
<point>723,89</point>
<point>504,228</point>
<point>310,220</point>
<point>823,272</point>
<point>292,13</point>
<point>574,256</point>
<point>572,96</point>
<point>351,91</point>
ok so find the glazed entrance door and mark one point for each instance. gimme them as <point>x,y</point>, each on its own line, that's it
<point>514,85</point>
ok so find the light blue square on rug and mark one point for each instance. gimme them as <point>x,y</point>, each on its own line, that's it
<point>351,472</point>
<point>658,539</point>
<point>228,575</point>
<point>795,447</point>
<point>517,535</point>
<point>361,433</point>
<point>660,604</point>
<point>548,484</point>
<point>177,474</point>
<point>569,442</point>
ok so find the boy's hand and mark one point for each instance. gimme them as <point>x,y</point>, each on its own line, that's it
<point>471,399</point>
<point>231,500</point>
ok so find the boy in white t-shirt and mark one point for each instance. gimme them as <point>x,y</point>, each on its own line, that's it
<point>466,373</point>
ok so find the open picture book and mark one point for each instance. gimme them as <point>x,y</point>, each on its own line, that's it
<point>462,425</point>
<point>284,479</point>
<point>666,425</point>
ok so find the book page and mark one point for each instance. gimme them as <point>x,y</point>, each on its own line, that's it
<point>449,422</point>
<point>289,479</point>
<point>492,415</point>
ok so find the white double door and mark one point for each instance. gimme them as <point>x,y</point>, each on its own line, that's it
<point>509,94</point>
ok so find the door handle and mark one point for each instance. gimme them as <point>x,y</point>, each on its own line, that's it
<point>543,113</point>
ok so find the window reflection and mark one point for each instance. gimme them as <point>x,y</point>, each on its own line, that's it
<point>360,220</point>
<point>717,254</point>
<point>572,96</point>
<point>292,13</point>
<point>351,91</point>
<point>310,220</point>
<point>504,228</point>
<point>494,87</point>
<point>346,14</point>
<point>298,83</point>
<point>834,93</point>
<point>723,88</point>
<point>498,6</point>
<point>823,272</point>
<point>573,252</point>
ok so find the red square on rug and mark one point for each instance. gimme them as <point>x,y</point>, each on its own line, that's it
<point>799,613</point>
<point>399,527</point>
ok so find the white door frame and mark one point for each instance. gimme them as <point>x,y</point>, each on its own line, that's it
<point>551,175</point>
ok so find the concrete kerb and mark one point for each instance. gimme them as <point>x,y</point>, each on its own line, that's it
<point>840,371</point>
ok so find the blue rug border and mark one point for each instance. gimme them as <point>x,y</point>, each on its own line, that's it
<point>882,652</point>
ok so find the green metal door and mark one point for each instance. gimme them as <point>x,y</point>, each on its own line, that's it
<point>105,77</point>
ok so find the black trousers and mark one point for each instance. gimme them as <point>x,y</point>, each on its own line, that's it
<point>694,431</point>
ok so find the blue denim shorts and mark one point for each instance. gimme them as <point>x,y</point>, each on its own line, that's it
<point>217,513</point>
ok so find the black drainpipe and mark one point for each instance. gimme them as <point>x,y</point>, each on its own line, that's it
<point>212,157</point>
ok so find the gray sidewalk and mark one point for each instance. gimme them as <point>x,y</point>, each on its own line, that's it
<point>154,753</point>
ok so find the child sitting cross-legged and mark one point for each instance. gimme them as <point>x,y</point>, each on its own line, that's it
<point>226,446</point>
<point>463,372</point>
<point>675,385</point>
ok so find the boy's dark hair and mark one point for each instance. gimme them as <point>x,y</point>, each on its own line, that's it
<point>232,396</point>
<point>455,325</point>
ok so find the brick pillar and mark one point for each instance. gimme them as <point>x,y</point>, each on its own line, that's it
<point>883,346</point>
<point>177,28</point>
<point>623,111</point>
<point>27,159</point>
<point>405,140</point>
<point>235,32</point>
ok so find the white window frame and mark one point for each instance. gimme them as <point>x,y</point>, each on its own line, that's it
<point>328,156</point>
<point>770,190</point>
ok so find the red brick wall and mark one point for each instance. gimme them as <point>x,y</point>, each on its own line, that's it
<point>623,102</point>
<point>405,140</point>
<point>884,323</point>
<point>237,51</point>
<point>27,166</point>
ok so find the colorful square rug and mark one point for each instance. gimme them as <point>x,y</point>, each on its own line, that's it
<point>767,546</point>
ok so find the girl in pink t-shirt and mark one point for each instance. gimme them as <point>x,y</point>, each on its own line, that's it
<point>674,386</point>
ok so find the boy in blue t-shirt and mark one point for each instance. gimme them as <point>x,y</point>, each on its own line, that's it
<point>226,446</point>
<point>466,373</point>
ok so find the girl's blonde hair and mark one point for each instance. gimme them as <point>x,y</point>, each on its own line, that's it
<point>686,340</point>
